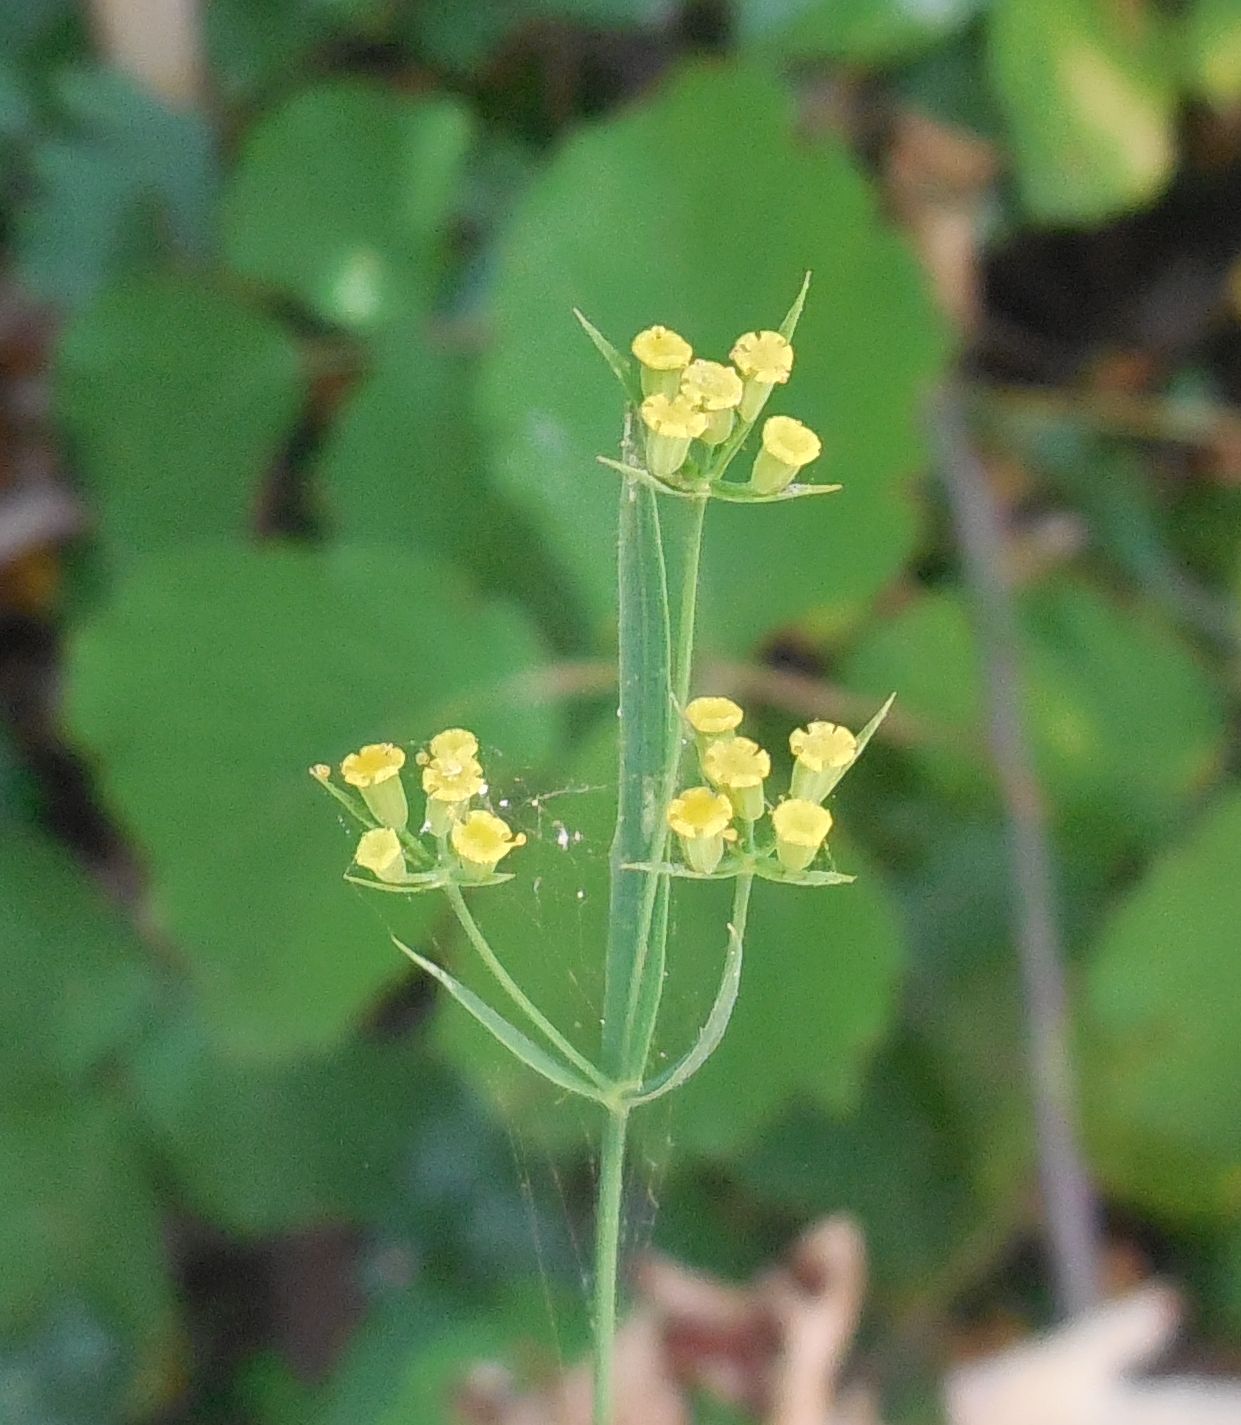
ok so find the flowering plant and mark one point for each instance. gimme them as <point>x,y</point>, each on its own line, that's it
<point>687,420</point>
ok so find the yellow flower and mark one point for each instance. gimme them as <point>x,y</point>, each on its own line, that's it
<point>790,441</point>
<point>713,716</point>
<point>455,744</point>
<point>822,745</point>
<point>481,842</point>
<point>663,356</point>
<point>700,818</point>
<point>449,785</point>
<point>765,359</point>
<point>763,356</point>
<point>824,751</point>
<point>787,446</point>
<point>716,390</point>
<point>452,781</point>
<point>671,423</point>
<point>372,765</point>
<point>700,812</point>
<point>736,762</point>
<point>379,851</point>
<point>376,772</point>
<point>711,386</point>
<point>739,765</point>
<point>673,416</point>
<point>801,828</point>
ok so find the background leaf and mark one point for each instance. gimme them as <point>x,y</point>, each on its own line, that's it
<point>1213,49</point>
<point>206,689</point>
<point>76,985</point>
<point>403,466</point>
<point>713,247</point>
<point>77,1218</point>
<point>1160,1028</point>
<point>860,30</point>
<point>186,467</point>
<point>1126,724</point>
<point>341,199</point>
<point>124,179</point>
<point>1089,95</point>
<point>262,1148</point>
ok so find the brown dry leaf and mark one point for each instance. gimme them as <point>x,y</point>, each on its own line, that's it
<point>774,1348</point>
<point>1087,1374</point>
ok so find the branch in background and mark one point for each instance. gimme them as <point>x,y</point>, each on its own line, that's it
<point>158,42</point>
<point>1134,415</point>
<point>800,694</point>
<point>1069,1205</point>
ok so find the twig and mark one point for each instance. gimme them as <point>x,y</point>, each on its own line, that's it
<point>1069,1205</point>
<point>1123,413</point>
<point>801,694</point>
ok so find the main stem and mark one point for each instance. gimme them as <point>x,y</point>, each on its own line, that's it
<point>607,1259</point>
<point>649,928</point>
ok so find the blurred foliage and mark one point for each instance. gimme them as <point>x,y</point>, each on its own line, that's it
<point>216,670</point>
<point>312,369</point>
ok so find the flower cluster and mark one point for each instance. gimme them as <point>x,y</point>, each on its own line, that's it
<point>470,841</point>
<point>688,400</point>
<point>736,768</point>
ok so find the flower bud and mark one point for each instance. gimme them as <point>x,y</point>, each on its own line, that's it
<point>376,772</point>
<point>700,818</point>
<point>765,360</point>
<point>787,446</point>
<point>671,423</point>
<point>663,356</point>
<point>379,851</point>
<point>801,828</point>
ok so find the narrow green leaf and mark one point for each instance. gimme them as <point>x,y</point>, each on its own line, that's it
<point>729,494</point>
<point>622,367</point>
<point>644,477</point>
<point>872,726</point>
<point>773,872</point>
<point>741,495</point>
<point>863,737</point>
<point>712,1031</point>
<point>415,886</point>
<point>674,868</point>
<point>789,325</point>
<point>507,1034</point>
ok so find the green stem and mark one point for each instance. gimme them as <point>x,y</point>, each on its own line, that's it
<point>515,992</point>
<point>607,1259</point>
<point>645,710</point>
<point>684,657</point>
<point>642,1008</point>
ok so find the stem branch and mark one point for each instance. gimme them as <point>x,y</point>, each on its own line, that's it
<point>516,993</point>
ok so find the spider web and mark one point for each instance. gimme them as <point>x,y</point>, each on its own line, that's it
<point>548,927</point>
